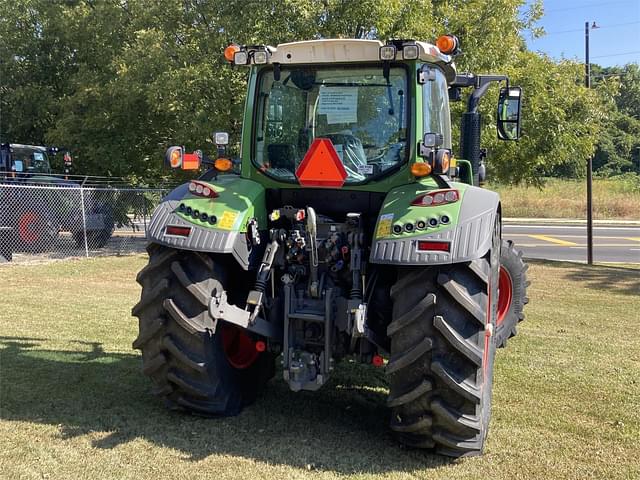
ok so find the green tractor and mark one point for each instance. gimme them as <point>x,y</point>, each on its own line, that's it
<point>347,229</point>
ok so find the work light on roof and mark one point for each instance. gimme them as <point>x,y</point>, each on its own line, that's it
<point>241,57</point>
<point>410,52</point>
<point>388,52</point>
<point>260,56</point>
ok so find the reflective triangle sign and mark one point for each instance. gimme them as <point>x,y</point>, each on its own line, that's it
<point>321,166</point>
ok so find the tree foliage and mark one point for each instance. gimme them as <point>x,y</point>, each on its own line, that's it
<point>117,81</point>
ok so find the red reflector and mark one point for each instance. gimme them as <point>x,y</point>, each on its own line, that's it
<point>190,161</point>
<point>321,166</point>
<point>377,361</point>
<point>260,346</point>
<point>179,231</point>
<point>433,246</point>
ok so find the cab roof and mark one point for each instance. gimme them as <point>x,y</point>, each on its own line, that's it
<point>349,50</point>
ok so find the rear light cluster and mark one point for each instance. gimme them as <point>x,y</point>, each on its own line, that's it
<point>201,189</point>
<point>436,198</point>
<point>421,224</point>
<point>197,214</point>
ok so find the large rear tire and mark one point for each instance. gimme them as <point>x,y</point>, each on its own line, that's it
<point>442,354</point>
<point>191,367</point>
<point>513,285</point>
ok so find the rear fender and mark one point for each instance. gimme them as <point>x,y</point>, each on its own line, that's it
<point>238,201</point>
<point>468,231</point>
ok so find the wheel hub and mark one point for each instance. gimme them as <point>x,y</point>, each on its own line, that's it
<point>239,347</point>
<point>27,227</point>
<point>505,294</point>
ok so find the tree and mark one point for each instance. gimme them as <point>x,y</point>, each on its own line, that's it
<point>130,78</point>
<point>619,142</point>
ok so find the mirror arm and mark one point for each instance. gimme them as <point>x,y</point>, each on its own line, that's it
<point>480,87</point>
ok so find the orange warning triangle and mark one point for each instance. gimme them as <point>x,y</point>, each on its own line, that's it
<point>321,166</point>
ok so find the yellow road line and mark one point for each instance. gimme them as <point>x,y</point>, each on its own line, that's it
<point>634,239</point>
<point>553,240</point>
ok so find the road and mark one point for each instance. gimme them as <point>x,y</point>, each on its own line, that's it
<point>611,244</point>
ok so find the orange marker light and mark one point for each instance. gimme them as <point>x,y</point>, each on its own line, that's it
<point>447,44</point>
<point>175,158</point>
<point>446,161</point>
<point>230,51</point>
<point>223,164</point>
<point>420,169</point>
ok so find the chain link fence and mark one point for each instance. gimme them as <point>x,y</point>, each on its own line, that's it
<point>41,222</point>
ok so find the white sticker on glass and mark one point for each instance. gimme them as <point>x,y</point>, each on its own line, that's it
<point>339,104</point>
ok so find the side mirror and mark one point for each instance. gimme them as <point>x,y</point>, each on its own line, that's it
<point>175,157</point>
<point>508,118</point>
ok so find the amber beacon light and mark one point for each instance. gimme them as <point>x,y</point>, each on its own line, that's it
<point>448,44</point>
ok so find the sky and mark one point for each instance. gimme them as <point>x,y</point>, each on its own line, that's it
<point>616,42</point>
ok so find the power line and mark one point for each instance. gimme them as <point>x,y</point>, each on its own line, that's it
<point>617,54</point>
<point>582,29</point>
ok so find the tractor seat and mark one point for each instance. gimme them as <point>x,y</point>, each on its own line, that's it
<point>282,155</point>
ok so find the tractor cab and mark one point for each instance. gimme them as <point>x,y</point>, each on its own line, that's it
<point>25,159</point>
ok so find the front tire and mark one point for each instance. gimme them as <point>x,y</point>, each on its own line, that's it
<point>513,285</point>
<point>442,354</point>
<point>188,363</point>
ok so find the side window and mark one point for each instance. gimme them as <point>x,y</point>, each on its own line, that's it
<point>435,105</point>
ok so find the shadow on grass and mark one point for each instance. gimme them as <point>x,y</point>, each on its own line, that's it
<point>342,428</point>
<point>600,277</point>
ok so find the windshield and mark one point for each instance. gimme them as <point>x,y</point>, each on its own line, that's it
<point>30,160</point>
<point>361,110</point>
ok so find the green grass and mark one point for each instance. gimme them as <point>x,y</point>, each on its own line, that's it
<point>74,404</point>
<point>616,198</point>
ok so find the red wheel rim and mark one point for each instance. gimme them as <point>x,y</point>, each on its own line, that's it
<point>505,294</point>
<point>27,227</point>
<point>239,348</point>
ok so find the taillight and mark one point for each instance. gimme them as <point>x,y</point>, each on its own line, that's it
<point>178,231</point>
<point>202,189</point>
<point>435,198</point>
<point>427,245</point>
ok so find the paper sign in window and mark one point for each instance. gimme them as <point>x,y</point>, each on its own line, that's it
<point>339,104</point>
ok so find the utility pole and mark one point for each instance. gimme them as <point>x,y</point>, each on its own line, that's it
<point>587,82</point>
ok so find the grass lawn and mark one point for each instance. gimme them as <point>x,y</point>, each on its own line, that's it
<point>74,404</point>
<point>613,199</point>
